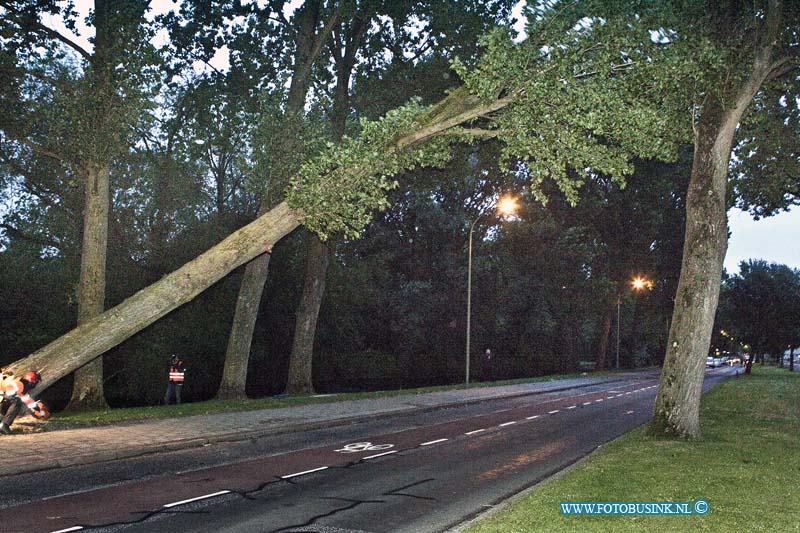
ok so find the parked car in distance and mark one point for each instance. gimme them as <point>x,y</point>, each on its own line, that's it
<point>710,362</point>
<point>735,360</point>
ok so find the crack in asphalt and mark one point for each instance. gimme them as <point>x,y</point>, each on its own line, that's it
<point>311,521</point>
<point>415,484</point>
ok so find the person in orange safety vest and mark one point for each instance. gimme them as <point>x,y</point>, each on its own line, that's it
<point>14,394</point>
<point>177,370</point>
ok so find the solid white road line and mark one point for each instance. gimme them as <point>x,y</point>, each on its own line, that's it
<point>507,424</point>
<point>474,432</point>
<point>304,472</point>
<point>220,493</point>
<point>75,528</point>
<point>532,417</point>
<point>433,442</point>
<point>379,455</point>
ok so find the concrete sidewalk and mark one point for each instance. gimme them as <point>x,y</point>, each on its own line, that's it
<point>57,449</point>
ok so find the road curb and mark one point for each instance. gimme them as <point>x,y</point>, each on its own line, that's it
<point>502,504</point>
<point>103,456</point>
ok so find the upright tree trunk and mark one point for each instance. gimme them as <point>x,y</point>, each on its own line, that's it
<point>677,407</point>
<point>300,363</point>
<point>602,346</point>
<point>791,359</point>
<point>87,391</point>
<point>237,356</point>
<point>678,401</point>
<point>301,358</point>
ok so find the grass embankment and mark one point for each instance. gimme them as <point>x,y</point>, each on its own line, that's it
<point>69,420</point>
<point>747,466</point>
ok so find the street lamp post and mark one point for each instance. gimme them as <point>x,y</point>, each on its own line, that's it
<point>505,206</point>
<point>619,297</point>
<point>637,284</point>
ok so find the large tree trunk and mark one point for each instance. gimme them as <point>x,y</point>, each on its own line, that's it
<point>98,335</point>
<point>309,44</point>
<point>602,346</point>
<point>300,363</point>
<point>237,356</point>
<point>87,391</point>
<point>677,407</point>
<point>301,359</point>
<point>678,402</point>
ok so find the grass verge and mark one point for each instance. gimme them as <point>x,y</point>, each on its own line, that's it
<point>746,465</point>
<point>71,420</point>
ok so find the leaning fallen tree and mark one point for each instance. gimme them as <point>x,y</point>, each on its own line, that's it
<point>577,109</point>
<point>91,339</point>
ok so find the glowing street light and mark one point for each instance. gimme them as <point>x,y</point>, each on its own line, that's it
<point>506,205</point>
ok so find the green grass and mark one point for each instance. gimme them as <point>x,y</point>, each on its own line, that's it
<point>746,465</point>
<point>73,419</point>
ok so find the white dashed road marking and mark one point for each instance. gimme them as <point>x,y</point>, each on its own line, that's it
<point>76,528</point>
<point>553,412</point>
<point>380,455</point>
<point>433,442</point>
<point>473,432</point>
<point>507,424</point>
<point>572,407</point>
<point>586,403</point>
<point>304,472</point>
<point>220,493</point>
<point>532,417</point>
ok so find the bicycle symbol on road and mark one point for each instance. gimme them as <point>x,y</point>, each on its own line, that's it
<point>363,447</point>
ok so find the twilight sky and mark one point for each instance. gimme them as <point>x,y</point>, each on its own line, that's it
<point>774,239</point>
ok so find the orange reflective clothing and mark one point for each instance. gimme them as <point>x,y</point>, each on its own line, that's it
<point>176,373</point>
<point>14,388</point>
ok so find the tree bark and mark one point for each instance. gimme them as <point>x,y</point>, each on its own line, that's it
<point>87,390</point>
<point>237,355</point>
<point>300,363</point>
<point>677,408</point>
<point>791,359</point>
<point>605,333</point>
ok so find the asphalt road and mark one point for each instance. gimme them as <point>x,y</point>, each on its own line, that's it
<point>414,473</point>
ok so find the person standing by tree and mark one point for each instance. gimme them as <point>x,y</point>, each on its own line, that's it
<point>177,371</point>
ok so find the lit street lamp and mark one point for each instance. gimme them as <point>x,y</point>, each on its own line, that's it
<point>507,205</point>
<point>638,284</point>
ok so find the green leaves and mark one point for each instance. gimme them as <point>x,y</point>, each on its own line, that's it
<point>583,103</point>
<point>338,190</point>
